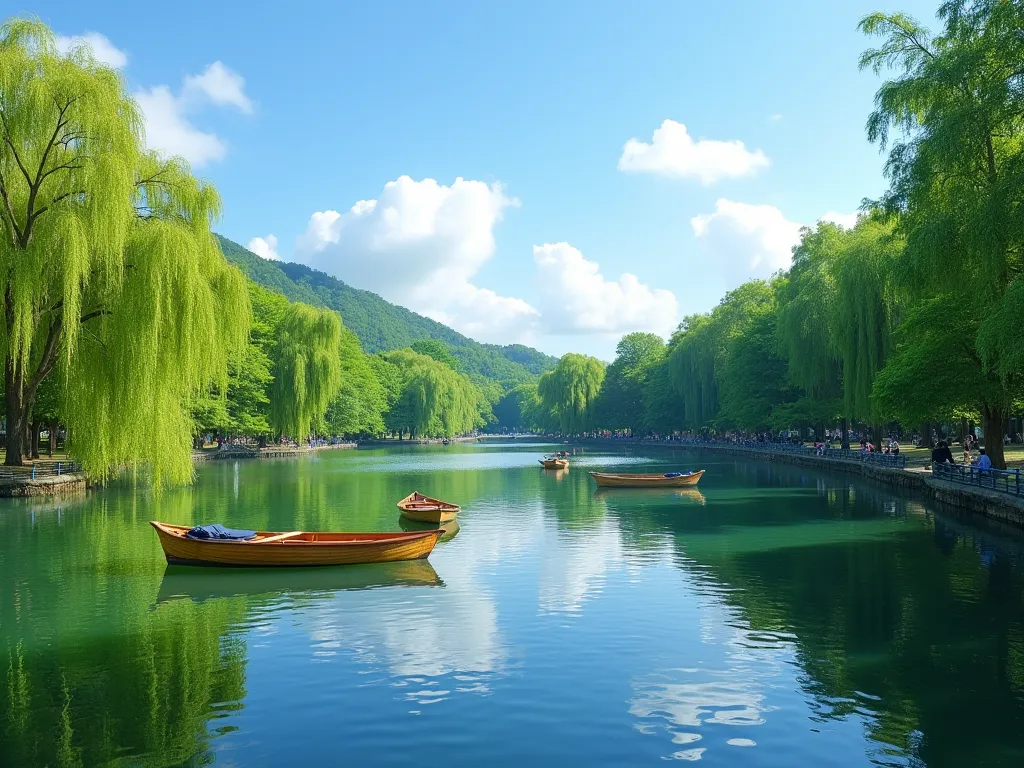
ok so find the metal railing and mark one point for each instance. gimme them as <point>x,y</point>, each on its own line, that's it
<point>1001,480</point>
<point>39,469</point>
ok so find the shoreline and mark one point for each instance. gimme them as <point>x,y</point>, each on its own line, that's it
<point>992,505</point>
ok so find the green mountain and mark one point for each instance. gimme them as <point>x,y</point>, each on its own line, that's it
<point>382,326</point>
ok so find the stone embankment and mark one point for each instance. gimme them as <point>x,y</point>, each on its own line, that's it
<point>51,485</point>
<point>1004,507</point>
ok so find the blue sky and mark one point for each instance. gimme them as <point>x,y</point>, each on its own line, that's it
<point>300,111</point>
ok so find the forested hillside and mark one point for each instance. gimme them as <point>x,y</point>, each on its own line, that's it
<point>382,326</point>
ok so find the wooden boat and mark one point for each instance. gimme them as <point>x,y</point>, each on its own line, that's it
<point>671,480</point>
<point>424,509</point>
<point>296,548</point>
<point>201,584</point>
<point>554,463</point>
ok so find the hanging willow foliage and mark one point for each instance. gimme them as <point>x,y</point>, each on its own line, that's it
<point>307,369</point>
<point>568,392</point>
<point>110,276</point>
<point>698,354</point>
<point>434,400</point>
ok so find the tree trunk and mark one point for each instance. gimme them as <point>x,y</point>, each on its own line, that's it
<point>53,438</point>
<point>926,436</point>
<point>12,404</point>
<point>991,424</point>
<point>846,434</point>
<point>37,428</point>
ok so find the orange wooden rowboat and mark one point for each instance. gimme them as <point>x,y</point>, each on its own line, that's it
<point>294,548</point>
<point>647,481</point>
<point>554,463</point>
<point>424,509</point>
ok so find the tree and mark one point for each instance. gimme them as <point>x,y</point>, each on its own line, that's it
<point>433,400</point>
<point>307,369</point>
<point>956,177</point>
<point>569,392</point>
<point>698,354</point>
<point>621,402</point>
<point>358,408</point>
<point>110,277</point>
<point>437,350</point>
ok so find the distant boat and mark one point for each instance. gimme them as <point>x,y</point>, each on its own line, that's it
<point>667,480</point>
<point>265,548</point>
<point>550,462</point>
<point>424,509</point>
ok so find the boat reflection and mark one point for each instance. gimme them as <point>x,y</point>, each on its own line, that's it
<point>201,584</point>
<point>690,495</point>
<point>450,528</point>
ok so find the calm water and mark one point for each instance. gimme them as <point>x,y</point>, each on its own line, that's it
<point>777,617</point>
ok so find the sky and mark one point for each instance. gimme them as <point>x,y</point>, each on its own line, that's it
<point>555,174</point>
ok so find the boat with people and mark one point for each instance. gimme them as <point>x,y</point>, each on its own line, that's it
<point>666,480</point>
<point>217,545</point>
<point>554,462</point>
<point>424,509</point>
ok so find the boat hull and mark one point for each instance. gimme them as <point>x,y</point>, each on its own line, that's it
<point>314,549</point>
<point>424,509</point>
<point>605,480</point>
<point>554,463</point>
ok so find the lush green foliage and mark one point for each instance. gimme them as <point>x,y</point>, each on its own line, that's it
<point>568,394</point>
<point>432,399</point>
<point>621,404</point>
<point>307,369</point>
<point>110,276</point>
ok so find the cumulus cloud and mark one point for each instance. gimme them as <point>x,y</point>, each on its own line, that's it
<point>746,241</point>
<point>844,220</point>
<point>577,298</point>
<point>104,50</point>
<point>168,116</point>
<point>673,152</point>
<point>265,247</point>
<point>420,243</point>
<point>219,85</point>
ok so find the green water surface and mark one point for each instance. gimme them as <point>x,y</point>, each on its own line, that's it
<point>776,617</point>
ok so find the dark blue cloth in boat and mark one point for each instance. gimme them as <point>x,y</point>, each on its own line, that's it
<point>217,531</point>
<point>673,474</point>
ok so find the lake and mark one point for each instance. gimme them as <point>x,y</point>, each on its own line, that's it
<point>779,616</point>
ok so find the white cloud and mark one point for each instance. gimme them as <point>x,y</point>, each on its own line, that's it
<point>844,220</point>
<point>168,116</point>
<point>219,85</point>
<point>420,244</point>
<point>168,130</point>
<point>746,241</point>
<point>577,298</point>
<point>104,50</point>
<point>265,247</point>
<point>673,152</point>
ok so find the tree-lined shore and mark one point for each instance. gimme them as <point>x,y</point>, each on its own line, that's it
<point>908,319</point>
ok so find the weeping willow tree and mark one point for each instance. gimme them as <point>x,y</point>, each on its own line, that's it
<point>699,351</point>
<point>568,393</point>
<point>866,311</point>
<point>950,118</point>
<point>806,326</point>
<point>433,400</point>
<point>110,277</point>
<point>307,369</point>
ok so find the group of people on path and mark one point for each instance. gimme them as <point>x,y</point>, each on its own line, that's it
<point>941,454</point>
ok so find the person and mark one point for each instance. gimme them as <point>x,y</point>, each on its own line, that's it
<point>941,454</point>
<point>983,462</point>
<point>894,449</point>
